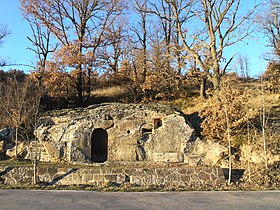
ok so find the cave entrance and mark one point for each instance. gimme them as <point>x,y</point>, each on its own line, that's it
<point>99,145</point>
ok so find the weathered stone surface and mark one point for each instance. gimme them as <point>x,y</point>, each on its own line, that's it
<point>252,154</point>
<point>204,153</point>
<point>129,132</point>
<point>163,175</point>
<point>1,146</point>
<point>168,157</point>
<point>11,152</point>
<point>51,149</point>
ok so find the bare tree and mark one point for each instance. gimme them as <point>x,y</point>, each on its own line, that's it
<point>141,32</point>
<point>216,25</point>
<point>263,120</point>
<point>80,27</point>
<point>163,11</point>
<point>36,114</point>
<point>41,41</point>
<point>19,95</point>
<point>243,63</point>
<point>4,32</point>
<point>112,54</point>
<point>271,26</point>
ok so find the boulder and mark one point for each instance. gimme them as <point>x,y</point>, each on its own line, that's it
<point>205,153</point>
<point>215,153</point>
<point>252,154</point>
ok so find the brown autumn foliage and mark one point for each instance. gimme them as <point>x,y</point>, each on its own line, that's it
<point>271,27</point>
<point>79,29</point>
<point>228,99</point>
<point>161,82</point>
<point>272,77</point>
<point>130,74</point>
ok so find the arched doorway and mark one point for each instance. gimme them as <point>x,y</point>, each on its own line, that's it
<point>99,145</point>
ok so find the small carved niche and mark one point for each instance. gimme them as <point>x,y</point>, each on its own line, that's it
<point>157,123</point>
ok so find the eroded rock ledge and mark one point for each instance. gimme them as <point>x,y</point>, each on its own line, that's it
<point>114,132</point>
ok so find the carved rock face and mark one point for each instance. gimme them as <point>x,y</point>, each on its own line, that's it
<point>114,132</point>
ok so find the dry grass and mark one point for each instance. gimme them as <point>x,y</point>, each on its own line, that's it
<point>269,100</point>
<point>113,91</point>
<point>192,104</point>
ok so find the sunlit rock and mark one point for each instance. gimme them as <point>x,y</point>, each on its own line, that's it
<point>114,132</point>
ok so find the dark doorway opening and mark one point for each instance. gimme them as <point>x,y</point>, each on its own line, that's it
<point>99,145</point>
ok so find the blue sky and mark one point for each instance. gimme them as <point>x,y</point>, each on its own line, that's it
<point>16,44</point>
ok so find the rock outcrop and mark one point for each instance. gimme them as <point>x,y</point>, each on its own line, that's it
<point>7,144</point>
<point>114,132</point>
<point>252,154</point>
<point>205,153</point>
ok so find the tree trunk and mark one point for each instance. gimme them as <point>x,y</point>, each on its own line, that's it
<point>263,120</point>
<point>35,166</point>
<point>216,80</point>
<point>36,160</point>
<point>203,88</point>
<point>229,147</point>
<point>88,85</point>
<point>79,83</point>
<point>16,143</point>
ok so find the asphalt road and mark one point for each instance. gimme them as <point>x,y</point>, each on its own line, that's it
<point>69,200</point>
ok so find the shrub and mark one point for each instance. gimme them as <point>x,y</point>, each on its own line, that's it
<point>227,100</point>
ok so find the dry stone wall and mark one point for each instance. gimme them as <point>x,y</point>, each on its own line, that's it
<point>164,176</point>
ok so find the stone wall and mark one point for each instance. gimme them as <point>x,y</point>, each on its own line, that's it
<point>158,176</point>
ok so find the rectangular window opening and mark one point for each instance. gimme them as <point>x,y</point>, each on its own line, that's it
<point>157,123</point>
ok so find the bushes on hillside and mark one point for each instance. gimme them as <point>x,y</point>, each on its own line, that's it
<point>227,102</point>
<point>272,77</point>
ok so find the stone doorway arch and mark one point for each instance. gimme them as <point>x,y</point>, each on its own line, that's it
<point>99,145</point>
